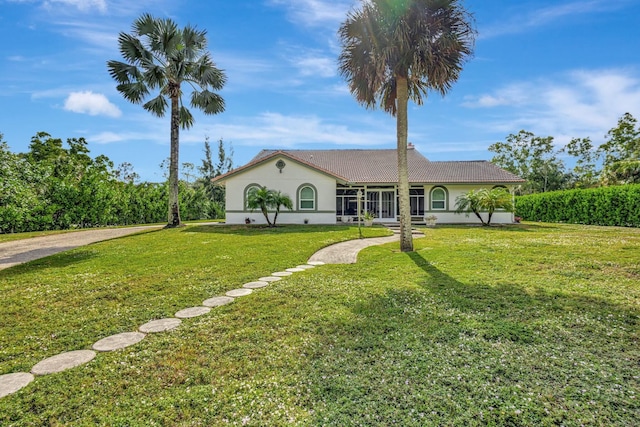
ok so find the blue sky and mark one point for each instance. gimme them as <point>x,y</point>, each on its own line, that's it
<point>563,68</point>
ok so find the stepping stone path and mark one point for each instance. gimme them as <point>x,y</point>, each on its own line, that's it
<point>118,341</point>
<point>11,383</point>
<point>282,273</point>
<point>239,293</point>
<point>255,285</point>
<point>269,279</point>
<point>62,362</point>
<point>160,325</point>
<point>217,301</point>
<point>192,312</point>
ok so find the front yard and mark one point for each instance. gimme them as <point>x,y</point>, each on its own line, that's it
<point>535,324</point>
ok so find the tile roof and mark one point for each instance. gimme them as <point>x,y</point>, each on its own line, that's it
<point>380,166</point>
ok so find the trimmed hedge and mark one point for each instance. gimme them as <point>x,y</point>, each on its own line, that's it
<point>618,205</point>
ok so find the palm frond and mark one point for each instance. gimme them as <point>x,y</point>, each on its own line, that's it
<point>134,91</point>
<point>122,72</point>
<point>186,118</point>
<point>207,101</point>
<point>157,106</point>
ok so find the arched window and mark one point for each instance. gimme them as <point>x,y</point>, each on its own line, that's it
<point>247,190</point>
<point>306,197</point>
<point>438,199</point>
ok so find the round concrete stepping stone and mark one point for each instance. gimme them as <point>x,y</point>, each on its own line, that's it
<point>239,292</point>
<point>282,273</point>
<point>160,325</point>
<point>306,266</point>
<point>10,383</point>
<point>217,301</point>
<point>118,341</point>
<point>269,279</point>
<point>192,312</point>
<point>315,263</point>
<point>62,362</point>
<point>295,270</point>
<point>255,285</point>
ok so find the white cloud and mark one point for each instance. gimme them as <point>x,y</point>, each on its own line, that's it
<point>317,66</point>
<point>315,13</point>
<point>576,104</point>
<point>279,130</point>
<point>94,104</point>
<point>82,5</point>
<point>547,15</point>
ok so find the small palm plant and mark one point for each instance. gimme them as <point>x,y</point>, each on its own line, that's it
<point>279,200</point>
<point>484,200</point>
<point>497,198</point>
<point>469,202</point>
<point>260,198</point>
<point>265,199</point>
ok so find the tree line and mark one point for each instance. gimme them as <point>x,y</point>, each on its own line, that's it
<point>537,160</point>
<point>57,186</point>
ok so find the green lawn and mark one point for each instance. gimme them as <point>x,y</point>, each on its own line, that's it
<point>535,324</point>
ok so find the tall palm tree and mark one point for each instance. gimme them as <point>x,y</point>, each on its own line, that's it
<point>393,51</point>
<point>161,57</point>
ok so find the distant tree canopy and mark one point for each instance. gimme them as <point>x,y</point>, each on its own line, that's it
<point>58,185</point>
<point>535,158</point>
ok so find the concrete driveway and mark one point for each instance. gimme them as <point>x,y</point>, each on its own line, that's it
<point>25,250</point>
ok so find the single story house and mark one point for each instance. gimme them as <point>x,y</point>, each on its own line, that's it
<point>324,185</point>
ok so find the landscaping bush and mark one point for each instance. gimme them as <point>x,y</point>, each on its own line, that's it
<point>618,205</point>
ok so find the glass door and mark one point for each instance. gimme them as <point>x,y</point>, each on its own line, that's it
<point>373,203</point>
<point>387,210</point>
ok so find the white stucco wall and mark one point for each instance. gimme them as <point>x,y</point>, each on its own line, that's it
<point>292,177</point>
<point>448,215</point>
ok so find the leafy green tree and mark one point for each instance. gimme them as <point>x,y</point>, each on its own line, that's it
<point>584,173</point>
<point>393,51</point>
<point>225,161</point>
<point>533,158</point>
<point>208,171</point>
<point>125,173</point>
<point>279,200</point>
<point>261,198</point>
<point>161,57</point>
<point>621,152</point>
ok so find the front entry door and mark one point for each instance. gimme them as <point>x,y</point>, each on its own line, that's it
<point>387,208</point>
<point>382,204</point>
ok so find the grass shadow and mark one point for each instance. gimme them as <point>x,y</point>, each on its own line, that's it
<point>453,353</point>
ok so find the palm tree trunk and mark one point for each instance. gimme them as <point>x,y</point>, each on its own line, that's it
<point>266,215</point>
<point>174,208</point>
<point>402,98</point>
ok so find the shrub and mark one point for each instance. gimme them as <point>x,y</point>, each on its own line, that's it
<point>616,205</point>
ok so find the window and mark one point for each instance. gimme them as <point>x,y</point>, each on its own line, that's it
<point>346,201</point>
<point>247,190</point>
<point>307,197</point>
<point>438,199</point>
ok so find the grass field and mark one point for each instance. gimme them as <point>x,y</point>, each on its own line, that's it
<point>535,324</point>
